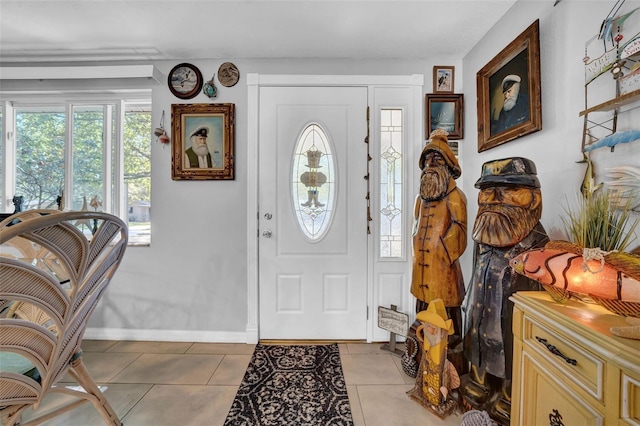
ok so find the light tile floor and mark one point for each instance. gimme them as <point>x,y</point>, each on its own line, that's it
<point>161,383</point>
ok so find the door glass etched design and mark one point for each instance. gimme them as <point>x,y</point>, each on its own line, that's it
<point>313,182</point>
<point>391,136</point>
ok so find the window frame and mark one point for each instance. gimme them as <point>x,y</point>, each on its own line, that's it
<point>114,193</point>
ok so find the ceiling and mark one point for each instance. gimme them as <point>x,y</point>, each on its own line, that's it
<point>112,30</point>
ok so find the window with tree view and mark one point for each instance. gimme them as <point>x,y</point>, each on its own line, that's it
<point>85,157</point>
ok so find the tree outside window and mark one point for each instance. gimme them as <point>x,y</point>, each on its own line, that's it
<point>97,154</point>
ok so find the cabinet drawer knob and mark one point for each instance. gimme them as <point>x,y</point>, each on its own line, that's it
<point>556,351</point>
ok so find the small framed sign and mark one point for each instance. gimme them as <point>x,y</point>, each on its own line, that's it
<point>391,320</point>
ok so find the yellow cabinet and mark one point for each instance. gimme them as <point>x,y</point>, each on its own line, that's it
<point>568,368</point>
<point>547,398</point>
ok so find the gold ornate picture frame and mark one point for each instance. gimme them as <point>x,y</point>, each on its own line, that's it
<point>202,141</point>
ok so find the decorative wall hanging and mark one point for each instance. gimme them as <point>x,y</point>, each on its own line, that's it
<point>203,141</point>
<point>210,89</point>
<point>612,54</point>
<point>445,112</point>
<point>161,134</point>
<point>228,74</point>
<point>443,79</point>
<point>509,100</point>
<point>185,81</point>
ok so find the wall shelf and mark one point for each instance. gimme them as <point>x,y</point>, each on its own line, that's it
<point>618,102</point>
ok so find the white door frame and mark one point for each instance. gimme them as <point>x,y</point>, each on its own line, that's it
<point>254,82</point>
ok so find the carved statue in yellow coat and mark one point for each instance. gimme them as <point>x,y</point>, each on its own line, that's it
<point>437,376</point>
<point>440,230</point>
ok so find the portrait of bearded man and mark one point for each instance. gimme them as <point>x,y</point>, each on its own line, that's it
<point>198,155</point>
<point>507,224</point>
<point>515,107</point>
<point>439,230</point>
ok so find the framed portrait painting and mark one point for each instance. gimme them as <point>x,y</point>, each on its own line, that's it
<point>202,141</point>
<point>509,98</point>
<point>443,77</point>
<point>445,112</point>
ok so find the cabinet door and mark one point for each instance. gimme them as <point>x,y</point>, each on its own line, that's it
<point>630,399</point>
<point>547,401</point>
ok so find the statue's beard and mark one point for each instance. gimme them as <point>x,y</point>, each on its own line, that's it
<point>434,183</point>
<point>433,339</point>
<point>201,149</point>
<point>503,226</point>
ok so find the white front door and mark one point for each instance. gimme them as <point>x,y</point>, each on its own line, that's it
<point>312,213</point>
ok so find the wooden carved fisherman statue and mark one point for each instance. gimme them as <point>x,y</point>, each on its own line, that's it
<point>439,230</point>
<point>437,377</point>
<point>507,224</point>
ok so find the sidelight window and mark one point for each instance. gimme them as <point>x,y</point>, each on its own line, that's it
<point>391,158</point>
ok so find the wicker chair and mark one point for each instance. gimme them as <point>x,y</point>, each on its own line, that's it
<point>52,276</point>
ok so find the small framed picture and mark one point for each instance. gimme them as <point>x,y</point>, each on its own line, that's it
<point>185,81</point>
<point>445,112</point>
<point>443,79</point>
<point>202,138</point>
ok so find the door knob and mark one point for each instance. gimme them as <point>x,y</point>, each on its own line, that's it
<point>267,233</point>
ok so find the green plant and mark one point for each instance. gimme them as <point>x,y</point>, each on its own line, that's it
<point>602,220</point>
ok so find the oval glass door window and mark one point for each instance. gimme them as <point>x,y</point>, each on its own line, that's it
<point>313,182</point>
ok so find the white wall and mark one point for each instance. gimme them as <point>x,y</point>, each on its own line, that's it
<point>191,283</point>
<point>564,29</point>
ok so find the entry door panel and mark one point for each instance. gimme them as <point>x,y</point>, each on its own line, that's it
<point>312,288</point>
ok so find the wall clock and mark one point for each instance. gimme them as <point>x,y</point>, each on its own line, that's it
<point>185,81</point>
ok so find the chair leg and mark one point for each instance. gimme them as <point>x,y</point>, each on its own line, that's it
<point>81,374</point>
<point>12,415</point>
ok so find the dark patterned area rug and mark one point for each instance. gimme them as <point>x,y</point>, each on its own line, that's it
<point>292,385</point>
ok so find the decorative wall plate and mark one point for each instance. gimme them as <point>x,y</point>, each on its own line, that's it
<point>185,81</point>
<point>228,74</point>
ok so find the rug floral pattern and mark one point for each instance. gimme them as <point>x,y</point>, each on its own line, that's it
<point>292,385</point>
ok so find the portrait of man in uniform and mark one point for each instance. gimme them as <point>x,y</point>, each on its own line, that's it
<point>203,148</point>
<point>510,95</point>
<point>203,141</point>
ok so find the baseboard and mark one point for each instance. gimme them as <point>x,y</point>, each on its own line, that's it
<point>252,334</point>
<point>168,335</point>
